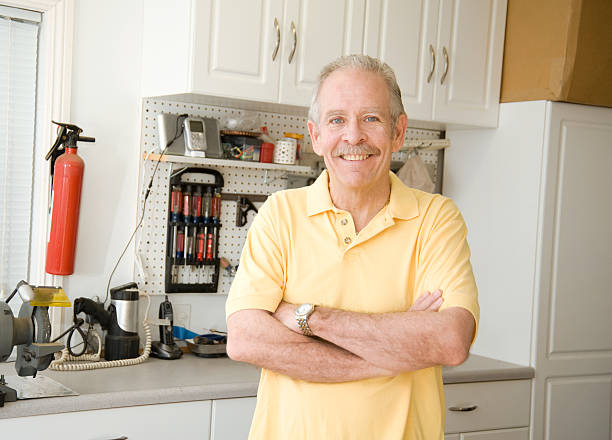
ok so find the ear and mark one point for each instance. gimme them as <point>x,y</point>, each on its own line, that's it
<point>400,132</point>
<point>313,130</point>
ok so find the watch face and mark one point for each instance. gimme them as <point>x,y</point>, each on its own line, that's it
<point>303,309</point>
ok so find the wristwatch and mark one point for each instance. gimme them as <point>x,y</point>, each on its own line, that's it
<point>301,315</point>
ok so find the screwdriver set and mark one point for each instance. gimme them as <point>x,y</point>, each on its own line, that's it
<point>194,222</point>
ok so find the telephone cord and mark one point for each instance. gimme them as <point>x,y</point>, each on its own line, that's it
<point>67,362</point>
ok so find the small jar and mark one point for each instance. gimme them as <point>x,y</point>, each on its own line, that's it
<point>284,151</point>
<point>299,138</point>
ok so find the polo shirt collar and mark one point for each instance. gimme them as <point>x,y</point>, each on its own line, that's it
<point>402,202</point>
<point>318,198</point>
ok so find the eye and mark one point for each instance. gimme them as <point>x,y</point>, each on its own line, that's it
<point>372,118</point>
<point>336,120</point>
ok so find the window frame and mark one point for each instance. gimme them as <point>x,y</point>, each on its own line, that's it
<point>56,36</point>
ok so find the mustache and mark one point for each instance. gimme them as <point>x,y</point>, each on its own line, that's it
<point>358,149</point>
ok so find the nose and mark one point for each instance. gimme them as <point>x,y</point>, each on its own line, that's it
<point>353,132</point>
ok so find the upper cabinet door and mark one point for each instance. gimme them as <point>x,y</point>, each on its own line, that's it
<point>470,52</point>
<point>315,32</point>
<point>236,48</point>
<point>403,34</point>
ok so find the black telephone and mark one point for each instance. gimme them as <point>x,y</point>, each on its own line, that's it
<point>166,348</point>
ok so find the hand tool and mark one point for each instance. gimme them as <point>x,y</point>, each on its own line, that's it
<point>216,221</point>
<point>196,215</point>
<point>187,216</point>
<point>176,212</point>
<point>243,207</point>
<point>201,245</point>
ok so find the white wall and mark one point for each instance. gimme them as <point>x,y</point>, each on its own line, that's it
<point>106,104</point>
<point>494,177</point>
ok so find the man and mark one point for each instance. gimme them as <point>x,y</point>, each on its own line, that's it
<point>326,299</point>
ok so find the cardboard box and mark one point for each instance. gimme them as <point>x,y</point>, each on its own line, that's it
<point>558,50</point>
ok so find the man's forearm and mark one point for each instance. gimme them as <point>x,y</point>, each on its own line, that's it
<point>254,336</point>
<point>403,341</point>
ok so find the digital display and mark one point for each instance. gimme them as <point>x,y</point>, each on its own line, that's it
<point>196,126</point>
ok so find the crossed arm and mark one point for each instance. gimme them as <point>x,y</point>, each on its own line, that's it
<point>351,346</point>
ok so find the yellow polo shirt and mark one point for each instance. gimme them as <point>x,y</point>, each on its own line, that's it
<point>301,249</point>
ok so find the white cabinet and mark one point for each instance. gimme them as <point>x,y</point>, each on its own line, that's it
<point>213,47</point>
<point>403,34</point>
<point>499,434</point>
<point>482,408</point>
<point>206,420</point>
<point>447,55</point>
<point>265,50</point>
<point>185,420</point>
<point>231,418</point>
<point>235,48</point>
<point>320,31</point>
<point>535,195</point>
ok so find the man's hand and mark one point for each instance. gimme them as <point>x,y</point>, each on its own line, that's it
<point>427,302</point>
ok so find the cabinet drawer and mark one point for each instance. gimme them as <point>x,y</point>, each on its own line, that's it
<point>487,405</point>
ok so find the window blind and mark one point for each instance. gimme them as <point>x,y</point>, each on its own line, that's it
<point>18,60</point>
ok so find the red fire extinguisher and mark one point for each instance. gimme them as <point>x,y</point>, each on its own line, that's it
<point>67,175</point>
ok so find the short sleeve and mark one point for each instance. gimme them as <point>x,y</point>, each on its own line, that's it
<point>260,280</point>
<point>444,261</point>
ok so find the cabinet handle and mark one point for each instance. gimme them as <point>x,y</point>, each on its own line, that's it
<point>277,39</point>
<point>294,42</point>
<point>466,408</point>
<point>433,63</point>
<point>445,64</point>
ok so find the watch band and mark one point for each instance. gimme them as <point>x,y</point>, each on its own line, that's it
<point>303,324</point>
<point>301,316</point>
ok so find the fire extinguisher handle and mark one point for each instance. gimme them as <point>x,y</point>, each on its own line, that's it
<point>60,139</point>
<point>86,139</point>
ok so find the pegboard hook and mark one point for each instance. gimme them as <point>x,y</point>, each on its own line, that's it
<point>268,182</point>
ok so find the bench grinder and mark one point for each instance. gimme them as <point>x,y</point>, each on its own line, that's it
<point>30,331</point>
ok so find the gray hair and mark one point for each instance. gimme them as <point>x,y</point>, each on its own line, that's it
<point>364,63</point>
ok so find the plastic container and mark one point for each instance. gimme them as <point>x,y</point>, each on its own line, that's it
<point>241,147</point>
<point>285,151</point>
<point>266,153</point>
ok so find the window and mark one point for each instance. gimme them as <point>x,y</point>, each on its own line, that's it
<point>18,69</point>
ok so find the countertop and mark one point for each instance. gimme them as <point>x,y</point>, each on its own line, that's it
<point>192,378</point>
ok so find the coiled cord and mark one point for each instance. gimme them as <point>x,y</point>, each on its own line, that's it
<point>69,362</point>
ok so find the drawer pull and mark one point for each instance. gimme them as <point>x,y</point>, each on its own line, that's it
<point>433,63</point>
<point>294,30</point>
<point>277,27</point>
<point>466,408</point>
<point>445,52</point>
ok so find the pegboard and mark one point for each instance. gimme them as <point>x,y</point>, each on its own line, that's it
<point>151,238</point>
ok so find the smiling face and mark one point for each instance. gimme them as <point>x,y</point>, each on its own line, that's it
<point>355,134</point>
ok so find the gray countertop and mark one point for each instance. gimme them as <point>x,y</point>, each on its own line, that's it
<point>191,378</point>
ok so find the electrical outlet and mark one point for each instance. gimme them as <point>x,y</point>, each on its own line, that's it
<point>182,314</point>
